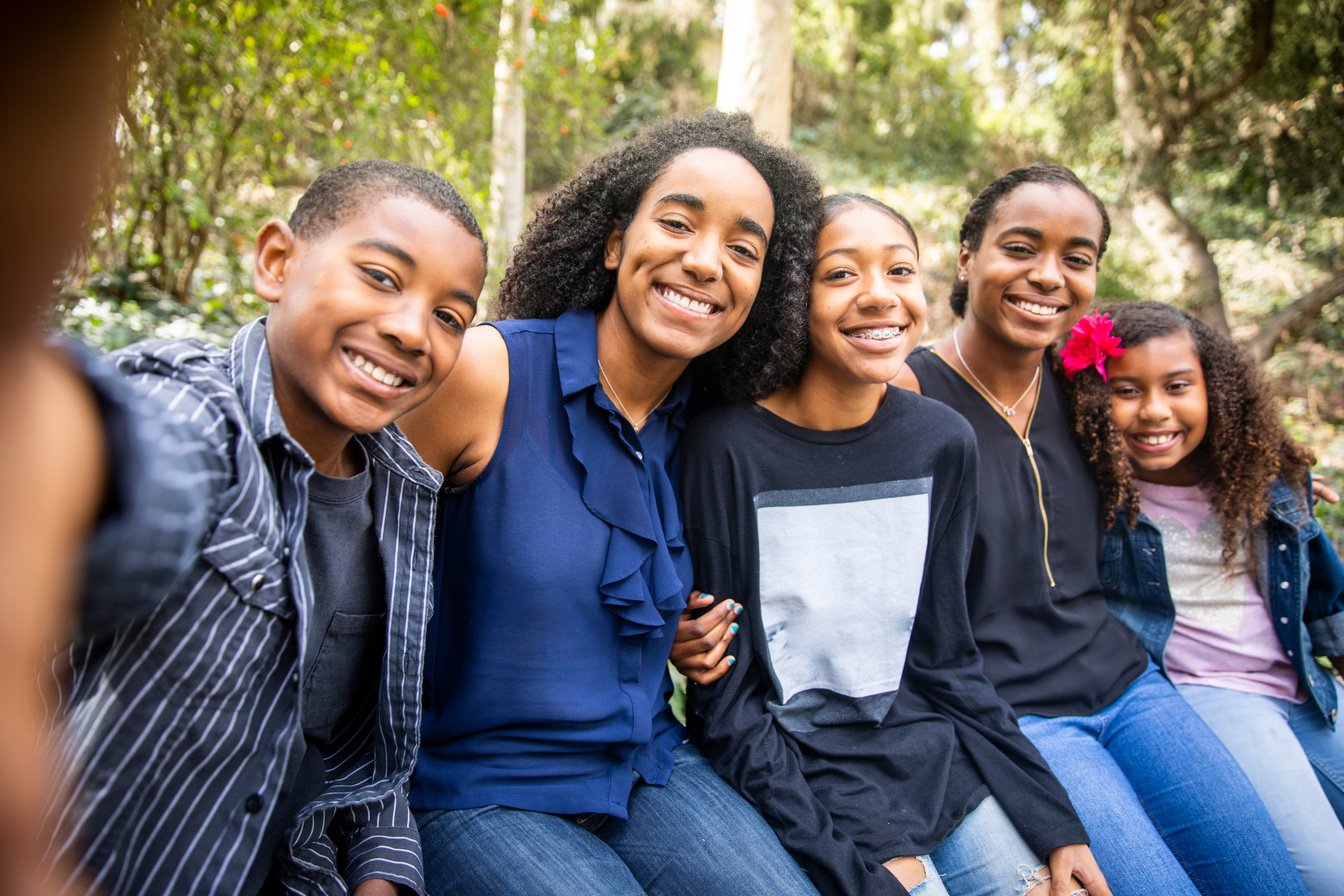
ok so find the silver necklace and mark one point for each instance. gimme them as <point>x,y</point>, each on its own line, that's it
<point>1007,410</point>
<point>636,424</point>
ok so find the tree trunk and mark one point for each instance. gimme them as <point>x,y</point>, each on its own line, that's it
<point>508,142</point>
<point>1293,317</point>
<point>986,19</point>
<point>1184,252</point>
<point>756,72</point>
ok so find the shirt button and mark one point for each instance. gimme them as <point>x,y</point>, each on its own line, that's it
<point>1290,653</point>
<point>285,552</point>
<point>259,579</point>
<point>1283,585</point>
<point>252,804</point>
<point>1283,619</point>
<point>1283,547</point>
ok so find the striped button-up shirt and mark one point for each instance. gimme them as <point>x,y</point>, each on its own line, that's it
<point>183,719</point>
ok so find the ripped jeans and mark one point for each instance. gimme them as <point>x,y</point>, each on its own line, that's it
<point>984,856</point>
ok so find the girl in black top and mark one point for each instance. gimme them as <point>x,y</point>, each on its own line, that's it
<point>876,747</point>
<point>1168,809</point>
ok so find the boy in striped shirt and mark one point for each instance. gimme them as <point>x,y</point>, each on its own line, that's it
<point>251,730</point>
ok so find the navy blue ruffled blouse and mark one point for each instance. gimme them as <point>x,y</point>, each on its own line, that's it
<point>560,572</point>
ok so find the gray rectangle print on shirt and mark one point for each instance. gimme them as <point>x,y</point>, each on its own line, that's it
<point>840,577</point>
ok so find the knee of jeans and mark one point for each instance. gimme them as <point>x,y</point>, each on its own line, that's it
<point>1036,882</point>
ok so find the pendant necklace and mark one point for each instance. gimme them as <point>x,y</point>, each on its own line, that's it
<point>636,424</point>
<point>1007,410</point>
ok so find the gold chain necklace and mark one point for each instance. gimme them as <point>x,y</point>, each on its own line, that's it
<point>636,424</point>
<point>1007,410</point>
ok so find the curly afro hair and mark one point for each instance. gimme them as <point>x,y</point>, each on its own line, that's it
<point>558,267</point>
<point>987,203</point>
<point>1246,446</point>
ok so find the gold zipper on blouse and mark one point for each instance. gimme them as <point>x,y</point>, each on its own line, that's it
<point>1031,458</point>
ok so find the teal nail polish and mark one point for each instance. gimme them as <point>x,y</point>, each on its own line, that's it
<point>732,661</point>
<point>733,628</point>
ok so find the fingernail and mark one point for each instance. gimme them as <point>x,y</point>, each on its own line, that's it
<point>733,628</point>
<point>737,608</point>
<point>708,597</point>
<point>732,661</point>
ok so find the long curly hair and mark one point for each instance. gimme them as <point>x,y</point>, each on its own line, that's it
<point>1245,448</point>
<point>986,203</point>
<point>557,266</point>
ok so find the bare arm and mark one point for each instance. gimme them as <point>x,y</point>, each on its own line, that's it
<point>52,475</point>
<point>457,429</point>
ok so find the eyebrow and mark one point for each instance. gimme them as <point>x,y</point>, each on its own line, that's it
<point>852,250</point>
<point>405,257</point>
<point>690,200</point>
<point>1073,240</point>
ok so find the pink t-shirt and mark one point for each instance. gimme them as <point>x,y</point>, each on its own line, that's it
<point>1223,635</point>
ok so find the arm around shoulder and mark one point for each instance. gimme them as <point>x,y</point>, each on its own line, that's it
<point>457,428</point>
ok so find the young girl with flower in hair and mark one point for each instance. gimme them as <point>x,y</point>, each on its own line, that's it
<point>1214,559</point>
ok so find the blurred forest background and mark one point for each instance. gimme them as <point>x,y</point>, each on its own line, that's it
<point>1213,130</point>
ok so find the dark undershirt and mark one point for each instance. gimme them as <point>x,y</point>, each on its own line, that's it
<point>343,650</point>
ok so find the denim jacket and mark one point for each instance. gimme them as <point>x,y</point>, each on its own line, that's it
<point>1297,570</point>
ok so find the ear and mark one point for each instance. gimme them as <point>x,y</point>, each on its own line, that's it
<point>611,255</point>
<point>276,246</point>
<point>963,262</point>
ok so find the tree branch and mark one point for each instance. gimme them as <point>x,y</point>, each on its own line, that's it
<point>1262,42</point>
<point>1294,317</point>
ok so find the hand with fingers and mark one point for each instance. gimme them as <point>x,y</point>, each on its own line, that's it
<point>1074,870</point>
<point>700,648</point>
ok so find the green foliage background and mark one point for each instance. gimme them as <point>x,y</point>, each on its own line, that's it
<point>234,107</point>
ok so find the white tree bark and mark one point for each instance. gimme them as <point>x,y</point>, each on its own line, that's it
<point>756,71</point>
<point>508,142</point>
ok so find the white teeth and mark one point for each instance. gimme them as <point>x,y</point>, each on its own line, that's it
<point>385,377</point>
<point>1156,440</point>
<point>878,333</point>
<point>686,302</point>
<point>1041,310</point>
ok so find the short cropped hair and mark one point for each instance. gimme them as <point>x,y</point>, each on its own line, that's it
<point>340,193</point>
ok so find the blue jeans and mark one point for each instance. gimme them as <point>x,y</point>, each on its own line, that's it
<point>1166,806</point>
<point>1296,764</point>
<point>693,837</point>
<point>984,856</point>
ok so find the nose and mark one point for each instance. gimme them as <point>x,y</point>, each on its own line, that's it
<point>407,325</point>
<point>878,295</point>
<point>1154,407</point>
<point>702,259</point>
<point>1046,274</point>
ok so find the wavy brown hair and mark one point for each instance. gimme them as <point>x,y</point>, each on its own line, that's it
<point>1246,446</point>
<point>557,265</point>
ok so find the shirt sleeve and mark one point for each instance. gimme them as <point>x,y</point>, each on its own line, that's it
<point>946,662</point>
<point>730,721</point>
<point>379,841</point>
<point>161,477</point>
<point>1325,596</point>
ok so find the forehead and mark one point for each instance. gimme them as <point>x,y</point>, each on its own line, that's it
<point>860,224</point>
<point>1159,355</point>
<point>1060,208</point>
<point>722,180</point>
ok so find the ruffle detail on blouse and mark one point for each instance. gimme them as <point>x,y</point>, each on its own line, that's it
<point>640,585</point>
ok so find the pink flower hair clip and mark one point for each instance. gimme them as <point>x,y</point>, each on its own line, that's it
<point>1091,343</point>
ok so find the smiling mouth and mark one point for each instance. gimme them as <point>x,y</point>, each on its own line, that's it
<point>694,306</point>
<point>1035,308</point>
<point>876,334</point>
<point>386,377</point>
<point>1160,440</point>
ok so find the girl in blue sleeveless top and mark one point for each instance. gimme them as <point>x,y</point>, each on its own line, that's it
<point>550,761</point>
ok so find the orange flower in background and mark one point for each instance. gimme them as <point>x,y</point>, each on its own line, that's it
<point>441,10</point>
<point>326,80</point>
<point>518,63</point>
<point>564,129</point>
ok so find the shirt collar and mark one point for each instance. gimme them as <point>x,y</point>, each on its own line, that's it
<point>254,382</point>
<point>576,359</point>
